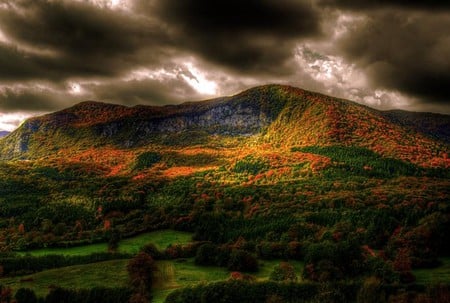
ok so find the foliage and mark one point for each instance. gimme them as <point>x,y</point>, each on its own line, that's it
<point>206,254</point>
<point>141,270</point>
<point>241,291</point>
<point>147,159</point>
<point>250,165</point>
<point>284,272</point>
<point>362,161</point>
<point>94,295</point>
<point>15,265</point>
<point>241,260</point>
<point>25,295</point>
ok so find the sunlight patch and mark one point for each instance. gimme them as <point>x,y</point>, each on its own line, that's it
<point>11,121</point>
<point>197,80</point>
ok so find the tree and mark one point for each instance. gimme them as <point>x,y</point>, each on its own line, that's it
<point>241,260</point>
<point>284,272</point>
<point>25,295</point>
<point>371,291</point>
<point>206,254</point>
<point>113,241</point>
<point>5,294</point>
<point>152,250</point>
<point>141,271</point>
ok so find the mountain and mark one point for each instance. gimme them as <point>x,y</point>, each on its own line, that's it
<point>4,133</point>
<point>432,125</point>
<point>281,116</point>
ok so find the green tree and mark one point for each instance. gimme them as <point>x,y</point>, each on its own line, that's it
<point>206,254</point>
<point>284,272</point>
<point>241,260</point>
<point>25,295</point>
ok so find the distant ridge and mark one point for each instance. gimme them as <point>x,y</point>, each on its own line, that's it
<point>4,133</point>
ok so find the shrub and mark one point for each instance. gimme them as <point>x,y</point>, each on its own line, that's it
<point>152,251</point>
<point>250,165</point>
<point>284,272</point>
<point>25,295</point>
<point>147,159</point>
<point>206,254</point>
<point>241,260</point>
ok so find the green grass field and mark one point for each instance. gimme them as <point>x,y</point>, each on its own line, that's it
<point>161,239</point>
<point>183,272</point>
<point>172,275</point>
<point>440,274</point>
<point>101,274</point>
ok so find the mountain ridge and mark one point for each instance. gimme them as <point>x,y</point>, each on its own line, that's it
<point>281,115</point>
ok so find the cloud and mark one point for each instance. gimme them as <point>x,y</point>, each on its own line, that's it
<point>252,36</point>
<point>374,4</point>
<point>54,53</point>
<point>81,39</point>
<point>37,97</point>
<point>9,122</point>
<point>403,52</point>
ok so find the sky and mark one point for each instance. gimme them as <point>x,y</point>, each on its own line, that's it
<point>383,53</point>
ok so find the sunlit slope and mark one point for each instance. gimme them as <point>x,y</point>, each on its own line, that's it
<point>281,116</point>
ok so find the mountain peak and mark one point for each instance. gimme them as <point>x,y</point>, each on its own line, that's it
<point>281,115</point>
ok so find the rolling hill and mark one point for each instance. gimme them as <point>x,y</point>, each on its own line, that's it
<point>281,116</point>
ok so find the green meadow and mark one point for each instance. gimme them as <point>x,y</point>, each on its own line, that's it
<point>172,274</point>
<point>161,239</point>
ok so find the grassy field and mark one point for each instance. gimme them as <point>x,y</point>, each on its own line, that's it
<point>183,273</point>
<point>101,274</point>
<point>440,274</point>
<point>172,275</point>
<point>161,239</point>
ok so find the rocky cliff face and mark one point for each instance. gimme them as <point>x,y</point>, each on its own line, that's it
<point>99,123</point>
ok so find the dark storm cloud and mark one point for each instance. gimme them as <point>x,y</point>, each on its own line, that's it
<point>248,36</point>
<point>404,52</point>
<point>29,99</point>
<point>48,45</point>
<point>80,39</point>
<point>148,91</point>
<point>371,4</point>
<point>15,64</point>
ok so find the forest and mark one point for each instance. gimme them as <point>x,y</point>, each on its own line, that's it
<point>309,224</point>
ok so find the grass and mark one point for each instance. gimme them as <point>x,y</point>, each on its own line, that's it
<point>172,274</point>
<point>161,239</point>
<point>440,274</point>
<point>182,273</point>
<point>102,274</point>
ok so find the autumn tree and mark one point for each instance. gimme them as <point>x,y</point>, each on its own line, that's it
<point>284,272</point>
<point>113,239</point>
<point>141,271</point>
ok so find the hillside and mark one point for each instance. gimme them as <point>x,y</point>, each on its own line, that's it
<point>282,116</point>
<point>275,183</point>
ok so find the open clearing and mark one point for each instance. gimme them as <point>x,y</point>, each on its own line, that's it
<point>436,275</point>
<point>172,274</point>
<point>161,239</point>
